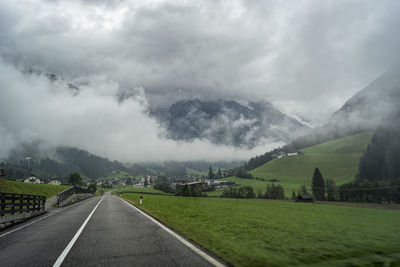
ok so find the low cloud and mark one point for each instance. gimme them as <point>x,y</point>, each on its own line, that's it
<point>35,108</point>
<point>295,54</point>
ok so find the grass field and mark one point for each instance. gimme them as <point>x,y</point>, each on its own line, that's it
<point>141,190</point>
<point>277,233</point>
<point>47,190</point>
<point>337,159</point>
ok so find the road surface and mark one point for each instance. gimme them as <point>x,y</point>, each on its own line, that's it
<point>100,231</point>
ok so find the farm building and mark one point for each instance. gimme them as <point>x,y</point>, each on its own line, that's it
<point>304,198</point>
<point>32,180</point>
<point>55,182</point>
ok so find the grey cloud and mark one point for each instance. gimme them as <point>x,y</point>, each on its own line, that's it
<point>299,55</point>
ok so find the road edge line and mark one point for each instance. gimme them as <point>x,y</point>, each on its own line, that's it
<point>73,240</point>
<point>198,251</point>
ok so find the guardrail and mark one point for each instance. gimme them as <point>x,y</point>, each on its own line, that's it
<point>62,196</point>
<point>18,203</point>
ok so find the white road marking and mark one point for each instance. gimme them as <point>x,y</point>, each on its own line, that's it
<point>73,240</point>
<point>185,242</point>
<point>42,218</point>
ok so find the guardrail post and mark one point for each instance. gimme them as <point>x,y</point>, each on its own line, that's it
<point>3,201</point>
<point>21,204</point>
<point>13,203</point>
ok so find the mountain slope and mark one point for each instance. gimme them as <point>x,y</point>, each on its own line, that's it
<point>372,105</point>
<point>228,122</point>
<point>375,105</point>
<point>337,159</point>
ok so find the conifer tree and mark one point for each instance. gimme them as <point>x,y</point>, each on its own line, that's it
<point>210,173</point>
<point>318,185</point>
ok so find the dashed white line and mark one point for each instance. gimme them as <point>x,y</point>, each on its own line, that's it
<point>185,242</point>
<point>73,240</point>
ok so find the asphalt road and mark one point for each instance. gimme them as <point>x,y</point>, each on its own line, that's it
<point>115,235</point>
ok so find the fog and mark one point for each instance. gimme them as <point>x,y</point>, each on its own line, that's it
<point>298,55</point>
<point>36,109</point>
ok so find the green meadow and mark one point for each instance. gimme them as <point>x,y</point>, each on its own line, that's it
<point>8,186</point>
<point>250,232</point>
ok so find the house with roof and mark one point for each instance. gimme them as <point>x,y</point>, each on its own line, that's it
<point>32,180</point>
<point>55,182</point>
<point>305,198</point>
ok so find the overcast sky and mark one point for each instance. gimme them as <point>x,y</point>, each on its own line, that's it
<point>306,57</point>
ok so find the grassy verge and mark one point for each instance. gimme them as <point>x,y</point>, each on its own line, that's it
<point>47,190</point>
<point>276,233</point>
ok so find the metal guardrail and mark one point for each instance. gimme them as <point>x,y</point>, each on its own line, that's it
<point>62,196</point>
<point>17,203</point>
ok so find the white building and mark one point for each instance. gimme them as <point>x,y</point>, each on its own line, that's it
<point>55,182</point>
<point>32,180</point>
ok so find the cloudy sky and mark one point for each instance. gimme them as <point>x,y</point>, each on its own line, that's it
<point>302,56</point>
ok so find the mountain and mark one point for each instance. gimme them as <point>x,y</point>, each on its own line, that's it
<point>228,122</point>
<point>372,105</point>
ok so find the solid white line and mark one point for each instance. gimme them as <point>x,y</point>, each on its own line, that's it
<point>42,218</point>
<point>184,241</point>
<point>73,240</point>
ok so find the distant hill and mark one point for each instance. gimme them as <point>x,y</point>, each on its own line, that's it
<point>59,162</point>
<point>337,159</point>
<point>228,122</point>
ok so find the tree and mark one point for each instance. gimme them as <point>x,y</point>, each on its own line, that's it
<point>380,161</point>
<point>219,173</point>
<point>318,185</point>
<point>75,179</point>
<point>92,187</point>
<point>293,195</point>
<point>274,192</point>
<point>302,190</point>
<point>241,173</point>
<point>129,181</point>
<point>331,190</point>
<point>210,173</point>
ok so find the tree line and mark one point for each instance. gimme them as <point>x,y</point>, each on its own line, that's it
<point>366,191</point>
<point>272,192</point>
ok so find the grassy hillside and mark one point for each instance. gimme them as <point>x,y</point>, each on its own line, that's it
<point>337,159</point>
<point>47,190</point>
<point>277,233</point>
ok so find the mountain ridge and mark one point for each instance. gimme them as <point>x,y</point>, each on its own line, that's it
<point>228,122</point>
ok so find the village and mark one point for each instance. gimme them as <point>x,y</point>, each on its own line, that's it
<point>145,181</point>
